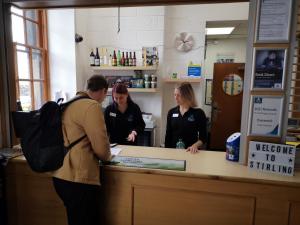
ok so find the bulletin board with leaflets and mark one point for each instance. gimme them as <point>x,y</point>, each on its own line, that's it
<point>267,151</point>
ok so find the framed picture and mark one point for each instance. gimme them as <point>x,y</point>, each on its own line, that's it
<point>266,116</point>
<point>273,21</point>
<point>269,68</point>
<point>208,91</point>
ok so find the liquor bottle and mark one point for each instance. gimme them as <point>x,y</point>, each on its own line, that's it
<point>126,60</point>
<point>92,58</point>
<point>97,58</point>
<point>123,59</point>
<point>119,58</point>
<point>134,59</point>
<point>114,59</point>
<point>130,59</point>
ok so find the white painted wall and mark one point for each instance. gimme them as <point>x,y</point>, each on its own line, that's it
<point>62,60</point>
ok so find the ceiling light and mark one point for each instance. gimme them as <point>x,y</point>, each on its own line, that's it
<point>219,30</point>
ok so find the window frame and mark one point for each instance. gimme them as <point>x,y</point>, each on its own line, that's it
<point>42,46</point>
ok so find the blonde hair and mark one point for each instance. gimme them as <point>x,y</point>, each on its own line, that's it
<point>187,93</point>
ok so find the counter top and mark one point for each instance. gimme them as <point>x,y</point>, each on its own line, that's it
<point>205,164</point>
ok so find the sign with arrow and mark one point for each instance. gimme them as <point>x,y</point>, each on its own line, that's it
<point>272,158</point>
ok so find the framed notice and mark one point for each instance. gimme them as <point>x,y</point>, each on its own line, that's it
<point>273,21</point>
<point>266,116</point>
<point>269,68</point>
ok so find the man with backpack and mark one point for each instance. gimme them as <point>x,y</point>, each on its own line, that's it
<point>77,182</point>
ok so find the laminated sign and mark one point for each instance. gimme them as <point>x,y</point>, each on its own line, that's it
<point>272,158</point>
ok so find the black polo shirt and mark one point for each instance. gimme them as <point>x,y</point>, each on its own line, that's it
<point>190,127</point>
<point>120,125</point>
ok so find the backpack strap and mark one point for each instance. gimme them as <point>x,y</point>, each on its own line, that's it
<point>74,143</point>
<point>63,107</point>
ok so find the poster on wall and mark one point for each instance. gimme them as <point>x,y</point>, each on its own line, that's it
<point>266,116</point>
<point>269,68</point>
<point>274,18</point>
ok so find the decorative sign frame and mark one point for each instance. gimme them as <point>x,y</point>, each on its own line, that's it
<point>266,116</point>
<point>272,158</point>
<point>268,11</point>
<point>269,69</point>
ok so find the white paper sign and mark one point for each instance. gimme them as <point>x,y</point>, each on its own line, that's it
<point>272,158</point>
<point>274,20</point>
<point>266,115</point>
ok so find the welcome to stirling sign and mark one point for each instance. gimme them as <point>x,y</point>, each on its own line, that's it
<point>272,158</point>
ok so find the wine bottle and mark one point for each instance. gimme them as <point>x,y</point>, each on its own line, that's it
<point>119,58</point>
<point>92,58</point>
<point>114,59</point>
<point>126,60</point>
<point>123,59</point>
<point>134,59</point>
<point>97,58</point>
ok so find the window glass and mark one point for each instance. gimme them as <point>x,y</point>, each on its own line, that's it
<point>25,95</point>
<point>16,11</point>
<point>23,64</point>
<point>31,14</point>
<point>38,94</point>
<point>32,33</point>
<point>18,29</point>
<point>37,64</point>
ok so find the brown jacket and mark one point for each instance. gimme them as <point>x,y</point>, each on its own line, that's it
<point>81,164</point>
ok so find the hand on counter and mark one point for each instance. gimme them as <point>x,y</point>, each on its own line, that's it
<point>131,136</point>
<point>195,147</point>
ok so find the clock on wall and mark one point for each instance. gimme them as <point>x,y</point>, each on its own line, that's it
<point>184,42</point>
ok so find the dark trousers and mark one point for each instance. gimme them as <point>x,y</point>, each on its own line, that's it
<point>81,201</point>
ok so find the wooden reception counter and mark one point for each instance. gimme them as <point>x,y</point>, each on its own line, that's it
<point>212,191</point>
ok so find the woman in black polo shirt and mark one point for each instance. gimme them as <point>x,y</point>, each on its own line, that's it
<point>123,117</point>
<point>185,123</point>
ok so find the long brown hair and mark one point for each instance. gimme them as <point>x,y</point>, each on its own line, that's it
<point>120,88</point>
<point>187,93</point>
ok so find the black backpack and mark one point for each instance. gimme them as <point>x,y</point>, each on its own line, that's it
<point>41,135</point>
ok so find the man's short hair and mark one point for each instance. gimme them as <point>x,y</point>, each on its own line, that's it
<point>96,83</point>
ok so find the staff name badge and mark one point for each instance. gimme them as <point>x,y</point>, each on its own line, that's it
<point>272,158</point>
<point>113,114</point>
<point>175,115</point>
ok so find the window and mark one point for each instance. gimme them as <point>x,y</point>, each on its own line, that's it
<point>30,57</point>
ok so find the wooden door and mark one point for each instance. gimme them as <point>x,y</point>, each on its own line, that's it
<point>226,107</point>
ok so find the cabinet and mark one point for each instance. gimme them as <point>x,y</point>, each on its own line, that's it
<point>114,69</point>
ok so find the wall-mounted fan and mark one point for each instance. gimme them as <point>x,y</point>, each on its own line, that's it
<point>184,42</point>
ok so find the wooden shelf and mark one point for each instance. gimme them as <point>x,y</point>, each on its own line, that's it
<point>123,68</point>
<point>139,90</point>
<point>180,80</point>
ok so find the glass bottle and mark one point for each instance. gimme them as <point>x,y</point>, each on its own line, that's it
<point>97,58</point>
<point>180,144</point>
<point>92,58</point>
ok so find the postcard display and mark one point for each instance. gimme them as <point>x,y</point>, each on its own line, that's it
<point>268,76</point>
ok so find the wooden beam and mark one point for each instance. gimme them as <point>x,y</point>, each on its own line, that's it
<point>31,4</point>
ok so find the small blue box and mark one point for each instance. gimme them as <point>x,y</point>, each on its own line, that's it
<point>194,71</point>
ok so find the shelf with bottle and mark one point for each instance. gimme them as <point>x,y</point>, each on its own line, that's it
<point>120,61</point>
<point>123,68</point>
